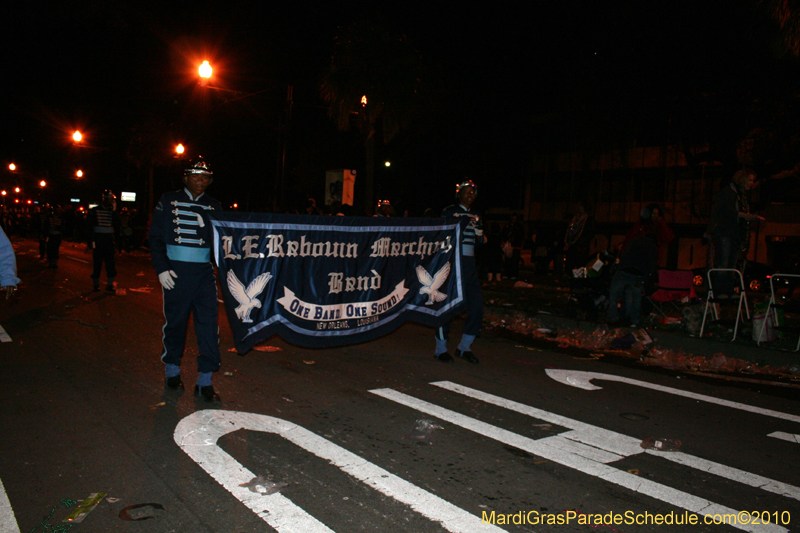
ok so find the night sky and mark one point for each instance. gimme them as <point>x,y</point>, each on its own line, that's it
<point>504,81</point>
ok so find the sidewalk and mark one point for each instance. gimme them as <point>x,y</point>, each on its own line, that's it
<point>546,306</point>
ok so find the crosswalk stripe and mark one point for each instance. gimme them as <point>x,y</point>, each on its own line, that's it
<point>550,449</point>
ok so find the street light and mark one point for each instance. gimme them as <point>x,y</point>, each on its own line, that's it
<point>42,184</point>
<point>12,167</point>
<point>79,173</point>
<point>205,70</point>
<point>179,149</point>
<point>77,137</point>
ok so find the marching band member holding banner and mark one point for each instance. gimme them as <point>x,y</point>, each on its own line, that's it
<point>466,191</point>
<point>181,239</point>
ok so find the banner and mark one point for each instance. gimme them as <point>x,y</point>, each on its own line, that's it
<point>321,281</point>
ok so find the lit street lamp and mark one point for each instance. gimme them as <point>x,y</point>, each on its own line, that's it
<point>205,70</point>
<point>12,167</point>
<point>42,184</point>
<point>180,149</point>
<point>77,137</point>
<point>79,173</point>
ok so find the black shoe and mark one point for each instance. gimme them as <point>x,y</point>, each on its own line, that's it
<point>207,393</point>
<point>174,382</point>
<point>444,357</point>
<point>110,288</point>
<point>467,356</point>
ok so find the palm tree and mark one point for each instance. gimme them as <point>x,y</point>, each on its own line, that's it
<point>370,60</point>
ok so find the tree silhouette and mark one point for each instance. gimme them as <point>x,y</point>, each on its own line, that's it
<point>149,147</point>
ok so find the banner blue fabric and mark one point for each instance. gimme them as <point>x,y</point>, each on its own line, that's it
<point>320,281</point>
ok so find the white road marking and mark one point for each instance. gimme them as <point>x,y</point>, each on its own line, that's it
<point>582,380</point>
<point>76,259</point>
<point>198,433</point>
<point>624,445</point>
<point>551,448</point>
<point>8,522</point>
<point>728,472</point>
<point>4,337</point>
<point>791,437</point>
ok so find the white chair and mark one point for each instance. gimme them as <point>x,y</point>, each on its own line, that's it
<point>711,299</point>
<point>773,305</point>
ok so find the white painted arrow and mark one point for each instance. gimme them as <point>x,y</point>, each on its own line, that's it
<point>582,380</point>
<point>8,522</point>
<point>198,433</point>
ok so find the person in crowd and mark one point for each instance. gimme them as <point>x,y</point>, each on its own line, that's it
<point>638,262</point>
<point>180,244</point>
<point>493,253</point>
<point>125,232</point>
<point>53,227</point>
<point>729,229</point>
<point>103,226</point>
<point>466,191</point>
<point>8,266</point>
<point>384,209</point>
<point>40,222</point>
<point>514,234</point>
<point>578,238</point>
<point>651,221</point>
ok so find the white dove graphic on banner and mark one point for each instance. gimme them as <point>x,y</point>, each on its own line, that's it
<point>430,285</point>
<point>247,297</point>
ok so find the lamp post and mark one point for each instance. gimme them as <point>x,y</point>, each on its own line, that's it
<point>205,71</point>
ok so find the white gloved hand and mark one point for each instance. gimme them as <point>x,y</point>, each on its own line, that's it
<point>166,279</point>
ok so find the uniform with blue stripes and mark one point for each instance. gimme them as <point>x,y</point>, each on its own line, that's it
<point>180,241</point>
<point>471,239</point>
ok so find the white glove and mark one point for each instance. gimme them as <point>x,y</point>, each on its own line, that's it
<point>166,279</point>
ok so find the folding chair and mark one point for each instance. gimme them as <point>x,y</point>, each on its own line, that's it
<point>773,306</point>
<point>673,286</point>
<point>711,299</point>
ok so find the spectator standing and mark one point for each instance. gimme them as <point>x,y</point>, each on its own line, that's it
<point>729,228</point>
<point>514,234</point>
<point>578,239</point>
<point>493,253</point>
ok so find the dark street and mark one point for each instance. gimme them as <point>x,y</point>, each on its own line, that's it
<point>373,437</point>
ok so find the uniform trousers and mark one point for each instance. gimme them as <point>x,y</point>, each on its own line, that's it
<point>104,252</point>
<point>472,293</point>
<point>195,295</point>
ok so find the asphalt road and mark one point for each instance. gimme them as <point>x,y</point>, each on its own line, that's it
<point>373,437</point>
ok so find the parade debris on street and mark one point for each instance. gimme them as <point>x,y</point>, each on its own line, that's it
<point>602,341</point>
